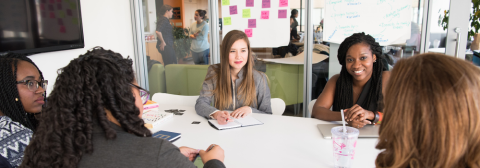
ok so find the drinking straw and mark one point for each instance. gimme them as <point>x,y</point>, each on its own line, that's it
<point>343,121</point>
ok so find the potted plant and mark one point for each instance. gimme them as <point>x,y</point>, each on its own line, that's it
<point>474,24</point>
<point>181,42</point>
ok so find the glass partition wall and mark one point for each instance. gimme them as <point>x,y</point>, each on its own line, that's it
<point>182,69</point>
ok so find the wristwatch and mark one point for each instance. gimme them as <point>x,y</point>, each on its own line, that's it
<point>376,117</point>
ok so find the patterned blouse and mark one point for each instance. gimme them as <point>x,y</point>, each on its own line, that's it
<point>14,138</point>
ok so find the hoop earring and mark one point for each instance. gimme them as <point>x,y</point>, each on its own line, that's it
<point>16,99</point>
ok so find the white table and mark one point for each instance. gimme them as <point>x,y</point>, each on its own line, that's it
<point>282,141</point>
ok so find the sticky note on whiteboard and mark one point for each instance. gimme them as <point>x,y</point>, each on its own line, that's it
<point>252,23</point>
<point>265,3</point>
<point>225,2</point>
<point>282,13</point>
<point>283,3</point>
<point>227,21</point>
<point>265,15</point>
<point>249,32</point>
<point>233,9</point>
<point>249,3</point>
<point>246,13</point>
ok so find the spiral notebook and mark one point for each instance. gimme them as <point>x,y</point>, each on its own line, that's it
<point>241,122</point>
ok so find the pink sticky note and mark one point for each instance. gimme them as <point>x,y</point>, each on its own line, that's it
<point>249,32</point>
<point>265,3</point>
<point>42,6</point>
<point>59,6</point>
<point>265,15</point>
<point>59,1</point>
<point>283,3</point>
<point>52,15</point>
<point>282,13</point>
<point>69,12</point>
<point>50,7</point>
<point>233,9</point>
<point>62,29</point>
<point>252,23</point>
<point>249,3</point>
<point>52,1</point>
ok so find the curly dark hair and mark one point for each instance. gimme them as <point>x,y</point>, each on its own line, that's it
<point>9,92</point>
<point>343,91</point>
<point>89,85</point>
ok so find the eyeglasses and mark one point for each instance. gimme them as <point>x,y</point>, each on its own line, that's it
<point>33,85</point>
<point>144,94</point>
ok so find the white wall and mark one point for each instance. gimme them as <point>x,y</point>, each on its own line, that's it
<point>106,23</point>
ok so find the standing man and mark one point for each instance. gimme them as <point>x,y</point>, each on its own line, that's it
<point>165,36</point>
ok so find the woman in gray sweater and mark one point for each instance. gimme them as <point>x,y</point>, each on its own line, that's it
<point>233,85</point>
<point>92,120</point>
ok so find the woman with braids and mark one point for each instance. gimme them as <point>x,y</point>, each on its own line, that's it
<point>431,114</point>
<point>359,87</point>
<point>234,85</point>
<point>22,91</point>
<point>92,120</point>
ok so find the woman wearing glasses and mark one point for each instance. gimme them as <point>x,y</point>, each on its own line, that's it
<point>92,120</point>
<point>21,97</point>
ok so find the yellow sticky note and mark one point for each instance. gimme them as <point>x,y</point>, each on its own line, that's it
<point>225,2</point>
<point>227,21</point>
<point>246,13</point>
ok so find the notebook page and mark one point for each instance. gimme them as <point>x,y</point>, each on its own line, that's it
<point>248,121</point>
<point>226,126</point>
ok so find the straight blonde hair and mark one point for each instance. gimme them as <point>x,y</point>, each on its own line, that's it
<point>431,116</point>
<point>223,91</point>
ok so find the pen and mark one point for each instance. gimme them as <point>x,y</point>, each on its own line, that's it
<point>213,145</point>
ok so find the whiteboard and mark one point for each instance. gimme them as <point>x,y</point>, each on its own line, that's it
<point>388,21</point>
<point>264,31</point>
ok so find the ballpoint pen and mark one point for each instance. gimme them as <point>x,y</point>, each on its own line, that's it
<point>213,145</point>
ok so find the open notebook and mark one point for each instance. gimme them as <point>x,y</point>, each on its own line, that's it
<point>241,122</point>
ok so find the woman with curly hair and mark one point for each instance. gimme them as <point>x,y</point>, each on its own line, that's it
<point>431,114</point>
<point>92,120</point>
<point>22,94</point>
<point>359,87</point>
<point>233,85</point>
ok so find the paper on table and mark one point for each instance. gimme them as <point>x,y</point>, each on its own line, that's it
<point>241,122</point>
<point>226,126</point>
<point>248,121</point>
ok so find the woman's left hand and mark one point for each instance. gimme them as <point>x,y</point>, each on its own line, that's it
<point>190,153</point>
<point>241,112</point>
<point>356,112</point>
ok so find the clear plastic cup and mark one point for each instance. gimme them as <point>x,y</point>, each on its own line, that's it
<point>344,146</point>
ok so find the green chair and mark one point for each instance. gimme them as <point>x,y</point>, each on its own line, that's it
<point>185,79</point>
<point>286,82</point>
<point>156,79</point>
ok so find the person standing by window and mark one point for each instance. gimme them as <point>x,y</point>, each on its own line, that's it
<point>165,36</point>
<point>293,26</point>
<point>199,35</point>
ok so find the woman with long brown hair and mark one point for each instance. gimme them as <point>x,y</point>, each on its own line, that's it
<point>233,84</point>
<point>431,114</point>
